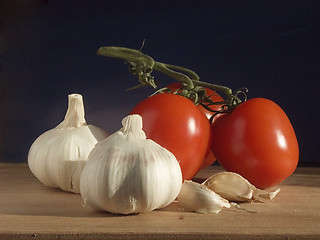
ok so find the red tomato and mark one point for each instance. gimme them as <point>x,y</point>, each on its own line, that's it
<point>257,141</point>
<point>210,158</point>
<point>176,124</point>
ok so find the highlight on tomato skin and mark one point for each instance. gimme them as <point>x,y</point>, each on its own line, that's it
<point>178,125</point>
<point>215,97</point>
<point>257,141</point>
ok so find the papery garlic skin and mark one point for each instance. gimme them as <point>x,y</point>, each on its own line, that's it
<point>58,156</point>
<point>127,173</point>
<point>200,199</point>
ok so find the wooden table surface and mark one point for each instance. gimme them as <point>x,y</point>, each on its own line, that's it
<point>29,210</point>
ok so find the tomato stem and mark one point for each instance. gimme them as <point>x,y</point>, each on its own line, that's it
<point>185,79</point>
<point>233,98</point>
<point>141,65</point>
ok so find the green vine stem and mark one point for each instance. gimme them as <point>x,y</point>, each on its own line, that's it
<point>142,65</point>
<point>184,78</point>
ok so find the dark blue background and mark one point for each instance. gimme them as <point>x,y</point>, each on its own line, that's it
<point>49,48</point>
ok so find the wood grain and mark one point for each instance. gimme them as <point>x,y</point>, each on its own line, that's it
<point>29,210</point>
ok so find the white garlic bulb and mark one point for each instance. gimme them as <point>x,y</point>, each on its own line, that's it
<point>236,188</point>
<point>58,156</point>
<point>200,199</point>
<point>127,173</point>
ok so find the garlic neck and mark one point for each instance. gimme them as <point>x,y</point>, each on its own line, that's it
<point>75,113</point>
<point>132,125</point>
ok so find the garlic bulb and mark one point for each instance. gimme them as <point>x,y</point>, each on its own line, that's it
<point>235,188</point>
<point>58,156</point>
<point>198,198</point>
<point>127,173</point>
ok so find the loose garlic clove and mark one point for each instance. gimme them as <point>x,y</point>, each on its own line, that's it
<point>230,186</point>
<point>58,156</point>
<point>198,198</point>
<point>236,188</point>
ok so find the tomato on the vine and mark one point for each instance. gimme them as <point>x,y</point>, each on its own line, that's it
<point>176,124</point>
<point>215,97</point>
<point>257,141</point>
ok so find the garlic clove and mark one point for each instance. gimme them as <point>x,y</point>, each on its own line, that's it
<point>231,186</point>
<point>235,188</point>
<point>200,199</point>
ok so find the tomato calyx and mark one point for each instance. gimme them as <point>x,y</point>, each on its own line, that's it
<point>199,96</point>
<point>233,99</point>
<point>142,65</point>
